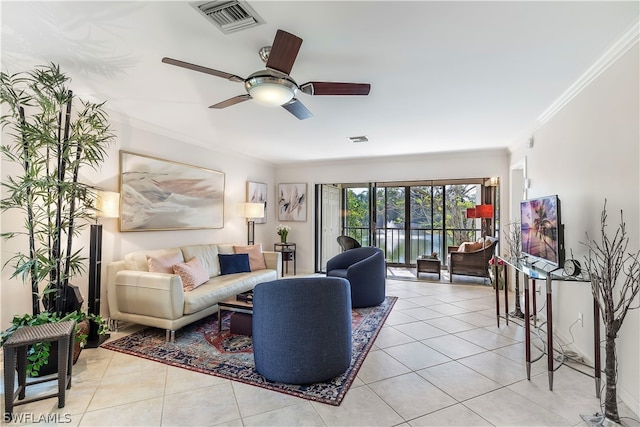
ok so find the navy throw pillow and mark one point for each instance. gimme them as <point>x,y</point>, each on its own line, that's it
<point>234,263</point>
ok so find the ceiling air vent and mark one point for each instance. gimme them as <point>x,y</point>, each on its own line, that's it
<point>362,138</point>
<point>229,16</point>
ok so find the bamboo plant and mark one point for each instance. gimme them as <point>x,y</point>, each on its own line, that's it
<point>50,141</point>
<point>615,282</point>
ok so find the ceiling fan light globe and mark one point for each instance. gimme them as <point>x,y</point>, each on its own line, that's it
<point>270,94</point>
<point>271,88</point>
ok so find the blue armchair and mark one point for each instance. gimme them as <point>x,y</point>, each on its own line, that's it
<point>365,270</point>
<point>302,329</point>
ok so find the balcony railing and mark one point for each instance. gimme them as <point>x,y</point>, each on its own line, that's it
<point>423,241</point>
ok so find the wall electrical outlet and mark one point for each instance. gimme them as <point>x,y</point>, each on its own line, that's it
<point>580,319</point>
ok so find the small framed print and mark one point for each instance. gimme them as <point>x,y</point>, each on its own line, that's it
<point>292,202</point>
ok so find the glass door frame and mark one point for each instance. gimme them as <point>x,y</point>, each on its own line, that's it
<point>487,193</point>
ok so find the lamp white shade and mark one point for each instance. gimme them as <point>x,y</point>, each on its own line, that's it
<point>107,204</point>
<point>252,210</point>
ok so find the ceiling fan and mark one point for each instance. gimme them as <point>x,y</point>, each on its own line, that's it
<point>273,86</point>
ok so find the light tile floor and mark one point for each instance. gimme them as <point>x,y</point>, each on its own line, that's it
<point>440,360</point>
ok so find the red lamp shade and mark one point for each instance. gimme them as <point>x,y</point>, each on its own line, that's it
<point>471,213</point>
<point>484,211</point>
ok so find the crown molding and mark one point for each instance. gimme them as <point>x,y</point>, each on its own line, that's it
<point>618,49</point>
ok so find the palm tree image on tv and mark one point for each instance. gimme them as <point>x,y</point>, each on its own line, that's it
<point>540,228</point>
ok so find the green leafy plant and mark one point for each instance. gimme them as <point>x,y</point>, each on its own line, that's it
<point>38,354</point>
<point>50,142</point>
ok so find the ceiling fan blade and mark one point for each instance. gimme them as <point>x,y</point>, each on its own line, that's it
<point>283,52</point>
<point>333,88</point>
<point>231,101</point>
<point>298,109</point>
<point>202,69</point>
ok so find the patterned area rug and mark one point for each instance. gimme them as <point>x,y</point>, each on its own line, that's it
<point>199,347</point>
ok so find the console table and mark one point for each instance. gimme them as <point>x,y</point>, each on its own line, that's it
<point>288,251</point>
<point>533,273</point>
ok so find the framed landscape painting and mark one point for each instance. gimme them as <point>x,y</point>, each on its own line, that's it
<point>292,202</point>
<point>158,194</point>
<point>257,193</point>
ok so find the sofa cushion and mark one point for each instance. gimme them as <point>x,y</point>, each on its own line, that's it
<point>222,287</point>
<point>207,254</point>
<point>164,263</point>
<point>226,248</point>
<point>473,246</point>
<point>138,260</point>
<point>234,263</point>
<point>469,246</point>
<point>256,259</point>
<point>192,273</point>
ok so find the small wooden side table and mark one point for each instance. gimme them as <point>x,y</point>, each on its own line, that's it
<point>15,357</point>
<point>288,251</point>
<point>428,265</point>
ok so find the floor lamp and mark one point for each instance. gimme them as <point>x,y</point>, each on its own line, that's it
<point>107,203</point>
<point>252,211</point>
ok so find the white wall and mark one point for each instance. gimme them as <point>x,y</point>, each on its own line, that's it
<point>475,164</point>
<point>586,153</point>
<point>15,297</point>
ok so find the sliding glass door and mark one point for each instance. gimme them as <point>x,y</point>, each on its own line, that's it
<point>357,213</point>
<point>391,220</point>
<point>410,219</point>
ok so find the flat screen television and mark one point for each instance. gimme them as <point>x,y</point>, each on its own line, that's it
<point>542,233</point>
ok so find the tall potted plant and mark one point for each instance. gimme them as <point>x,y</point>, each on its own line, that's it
<point>615,282</point>
<point>50,141</point>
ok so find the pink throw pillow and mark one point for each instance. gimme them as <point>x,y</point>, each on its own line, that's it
<point>192,273</point>
<point>163,263</point>
<point>256,258</point>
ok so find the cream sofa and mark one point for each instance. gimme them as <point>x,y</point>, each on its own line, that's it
<point>158,299</point>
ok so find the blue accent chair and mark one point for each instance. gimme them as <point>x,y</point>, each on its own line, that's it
<point>302,329</point>
<point>365,270</point>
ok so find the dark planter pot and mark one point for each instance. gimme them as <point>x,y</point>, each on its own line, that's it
<point>51,367</point>
<point>73,300</point>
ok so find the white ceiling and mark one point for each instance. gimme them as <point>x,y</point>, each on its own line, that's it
<point>445,76</point>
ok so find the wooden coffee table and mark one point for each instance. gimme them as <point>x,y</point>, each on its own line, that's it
<point>236,305</point>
